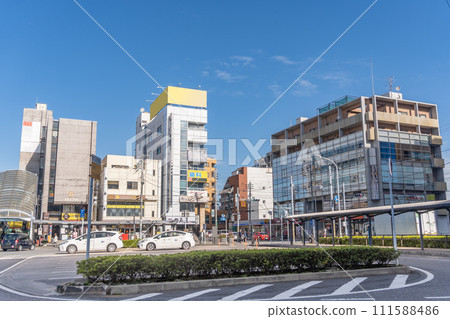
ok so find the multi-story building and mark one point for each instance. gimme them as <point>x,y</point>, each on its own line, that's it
<point>58,152</point>
<point>175,133</point>
<point>362,135</point>
<point>123,178</point>
<point>210,206</point>
<point>252,187</point>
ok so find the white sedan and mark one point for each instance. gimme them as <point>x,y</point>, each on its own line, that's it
<point>168,240</point>
<point>100,240</point>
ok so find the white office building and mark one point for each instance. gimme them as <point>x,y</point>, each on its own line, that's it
<point>174,132</point>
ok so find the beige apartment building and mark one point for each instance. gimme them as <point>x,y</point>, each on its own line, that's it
<point>58,152</point>
<point>122,180</point>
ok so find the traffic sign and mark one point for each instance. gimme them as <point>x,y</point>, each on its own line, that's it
<point>82,212</point>
<point>336,198</point>
<point>223,215</point>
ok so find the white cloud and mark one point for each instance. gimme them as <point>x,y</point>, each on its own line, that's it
<point>205,73</point>
<point>226,76</point>
<point>246,60</point>
<point>283,59</point>
<point>275,88</point>
<point>340,78</point>
<point>305,88</point>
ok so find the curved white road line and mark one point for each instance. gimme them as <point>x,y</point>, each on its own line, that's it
<point>429,277</point>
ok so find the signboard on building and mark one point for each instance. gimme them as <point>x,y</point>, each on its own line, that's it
<point>96,164</point>
<point>197,176</point>
<point>195,197</point>
<point>70,216</point>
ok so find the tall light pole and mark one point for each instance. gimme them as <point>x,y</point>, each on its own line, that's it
<point>338,187</point>
<point>141,197</point>
<point>394,234</point>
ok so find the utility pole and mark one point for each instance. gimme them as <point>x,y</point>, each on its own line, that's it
<point>331,200</point>
<point>292,208</point>
<point>142,197</point>
<point>215,200</point>
<point>394,234</point>
<point>237,202</point>
<point>250,211</point>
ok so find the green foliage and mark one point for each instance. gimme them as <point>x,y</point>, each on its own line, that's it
<point>230,263</point>
<point>402,241</point>
<point>132,243</point>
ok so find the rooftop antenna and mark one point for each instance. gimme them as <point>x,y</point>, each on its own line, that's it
<point>390,83</point>
<point>179,84</point>
<point>199,86</point>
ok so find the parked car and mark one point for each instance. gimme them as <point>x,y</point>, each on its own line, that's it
<point>17,241</point>
<point>100,240</point>
<point>168,240</point>
<point>261,236</point>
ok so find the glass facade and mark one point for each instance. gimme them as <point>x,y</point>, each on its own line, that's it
<point>311,179</point>
<point>412,173</point>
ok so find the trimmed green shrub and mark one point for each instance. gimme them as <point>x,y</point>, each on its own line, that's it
<point>402,241</point>
<point>132,243</point>
<point>230,263</point>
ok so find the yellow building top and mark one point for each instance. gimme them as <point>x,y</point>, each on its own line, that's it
<point>178,96</point>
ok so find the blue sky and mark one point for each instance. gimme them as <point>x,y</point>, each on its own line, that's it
<point>243,53</point>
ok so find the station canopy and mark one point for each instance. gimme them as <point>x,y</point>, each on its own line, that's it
<point>18,193</point>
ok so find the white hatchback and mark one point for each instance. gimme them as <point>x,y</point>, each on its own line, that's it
<point>168,240</point>
<point>100,240</point>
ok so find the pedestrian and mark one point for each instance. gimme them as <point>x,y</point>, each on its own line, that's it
<point>55,238</point>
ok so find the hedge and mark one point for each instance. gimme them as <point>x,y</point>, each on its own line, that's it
<point>132,243</point>
<point>402,241</point>
<point>230,263</point>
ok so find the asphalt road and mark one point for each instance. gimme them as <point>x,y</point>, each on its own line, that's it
<point>35,275</point>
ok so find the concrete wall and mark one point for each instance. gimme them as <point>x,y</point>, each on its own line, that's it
<point>76,142</point>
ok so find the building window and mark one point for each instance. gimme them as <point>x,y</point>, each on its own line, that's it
<point>132,185</point>
<point>113,185</point>
<point>158,150</point>
<point>153,213</point>
<point>159,129</point>
<point>153,192</point>
<point>154,172</point>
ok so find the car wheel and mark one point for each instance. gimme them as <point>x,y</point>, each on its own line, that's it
<point>72,249</point>
<point>20,248</point>
<point>32,247</point>
<point>5,249</point>
<point>151,246</point>
<point>111,248</point>
<point>186,245</point>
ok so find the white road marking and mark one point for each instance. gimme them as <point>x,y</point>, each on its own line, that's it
<point>440,297</point>
<point>16,264</point>
<point>399,281</point>
<point>348,287</point>
<point>193,295</point>
<point>28,295</point>
<point>245,292</point>
<point>143,297</point>
<point>289,293</point>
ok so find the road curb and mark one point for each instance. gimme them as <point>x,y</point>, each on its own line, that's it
<point>222,282</point>
<point>425,253</point>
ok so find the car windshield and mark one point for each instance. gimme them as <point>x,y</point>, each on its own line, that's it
<point>11,236</point>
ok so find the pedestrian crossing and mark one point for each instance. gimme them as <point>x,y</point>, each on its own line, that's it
<point>333,289</point>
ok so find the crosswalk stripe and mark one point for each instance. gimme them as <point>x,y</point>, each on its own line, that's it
<point>245,292</point>
<point>348,287</point>
<point>143,296</point>
<point>289,293</point>
<point>399,281</point>
<point>193,295</point>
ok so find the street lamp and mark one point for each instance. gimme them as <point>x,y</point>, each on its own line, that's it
<point>338,187</point>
